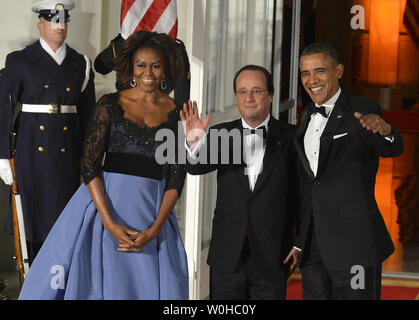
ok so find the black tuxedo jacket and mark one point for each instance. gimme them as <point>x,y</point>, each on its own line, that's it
<point>340,199</point>
<point>266,214</point>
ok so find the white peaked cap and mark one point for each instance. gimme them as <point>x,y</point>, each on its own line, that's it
<point>51,5</point>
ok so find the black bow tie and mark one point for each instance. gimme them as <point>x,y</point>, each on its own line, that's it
<point>253,131</point>
<point>313,110</point>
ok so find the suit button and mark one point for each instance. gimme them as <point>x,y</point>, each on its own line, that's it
<point>63,149</point>
<point>65,128</point>
<point>42,128</point>
<point>46,86</point>
<point>40,149</point>
<point>68,89</point>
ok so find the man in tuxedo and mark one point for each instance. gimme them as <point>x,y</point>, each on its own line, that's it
<point>256,190</point>
<point>343,236</point>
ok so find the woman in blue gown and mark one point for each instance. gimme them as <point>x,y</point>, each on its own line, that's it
<point>118,237</point>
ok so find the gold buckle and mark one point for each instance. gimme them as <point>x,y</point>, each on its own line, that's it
<point>54,108</point>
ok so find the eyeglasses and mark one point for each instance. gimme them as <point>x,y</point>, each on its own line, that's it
<point>255,92</point>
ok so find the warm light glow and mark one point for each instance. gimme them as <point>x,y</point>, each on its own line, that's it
<point>384,42</point>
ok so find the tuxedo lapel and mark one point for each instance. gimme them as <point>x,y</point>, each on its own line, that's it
<point>274,147</point>
<point>326,139</point>
<point>240,169</point>
<point>243,178</point>
<point>299,141</point>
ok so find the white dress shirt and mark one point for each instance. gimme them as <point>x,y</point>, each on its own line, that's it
<point>254,151</point>
<point>58,55</point>
<point>314,131</point>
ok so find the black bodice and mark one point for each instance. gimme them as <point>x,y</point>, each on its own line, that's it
<point>129,143</point>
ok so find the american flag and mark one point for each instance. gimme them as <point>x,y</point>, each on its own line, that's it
<point>151,15</point>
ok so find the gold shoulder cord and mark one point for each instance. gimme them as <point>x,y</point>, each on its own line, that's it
<point>113,49</point>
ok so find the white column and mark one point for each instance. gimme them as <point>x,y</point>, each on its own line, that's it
<point>195,42</point>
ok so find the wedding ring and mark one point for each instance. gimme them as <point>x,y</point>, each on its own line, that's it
<point>378,121</point>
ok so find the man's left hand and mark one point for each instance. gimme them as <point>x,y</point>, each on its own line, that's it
<point>294,255</point>
<point>373,122</point>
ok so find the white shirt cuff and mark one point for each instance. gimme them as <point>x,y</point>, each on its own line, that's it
<point>390,138</point>
<point>193,153</point>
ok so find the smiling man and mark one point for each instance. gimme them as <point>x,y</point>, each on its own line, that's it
<point>54,84</point>
<point>339,142</point>
<point>256,198</point>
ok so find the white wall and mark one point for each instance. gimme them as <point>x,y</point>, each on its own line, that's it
<point>182,13</point>
<point>17,25</point>
<point>93,23</point>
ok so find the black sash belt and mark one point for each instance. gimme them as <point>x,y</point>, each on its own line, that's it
<point>133,164</point>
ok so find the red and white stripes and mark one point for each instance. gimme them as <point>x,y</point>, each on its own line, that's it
<point>151,15</point>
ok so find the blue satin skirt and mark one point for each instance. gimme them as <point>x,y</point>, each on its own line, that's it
<point>79,258</point>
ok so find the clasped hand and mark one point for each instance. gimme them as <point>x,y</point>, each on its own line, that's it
<point>130,240</point>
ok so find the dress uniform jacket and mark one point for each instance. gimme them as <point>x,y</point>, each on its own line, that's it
<point>48,146</point>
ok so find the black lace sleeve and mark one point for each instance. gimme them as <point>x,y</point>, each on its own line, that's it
<point>96,141</point>
<point>175,178</point>
<point>176,173</point>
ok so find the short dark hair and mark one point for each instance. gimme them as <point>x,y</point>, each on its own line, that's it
<point>147,39</point>
<point>320,47</point>
<point>252,67</point>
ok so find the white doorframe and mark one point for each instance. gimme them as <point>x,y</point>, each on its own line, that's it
<point>289,104</point>
<point>295,46</point>
<point>276,74</point>
<point>194,184</point>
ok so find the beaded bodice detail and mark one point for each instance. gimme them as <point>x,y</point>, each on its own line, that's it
<point>110,131</point>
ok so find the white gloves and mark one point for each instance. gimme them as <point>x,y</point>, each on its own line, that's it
<point>6,171</point>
